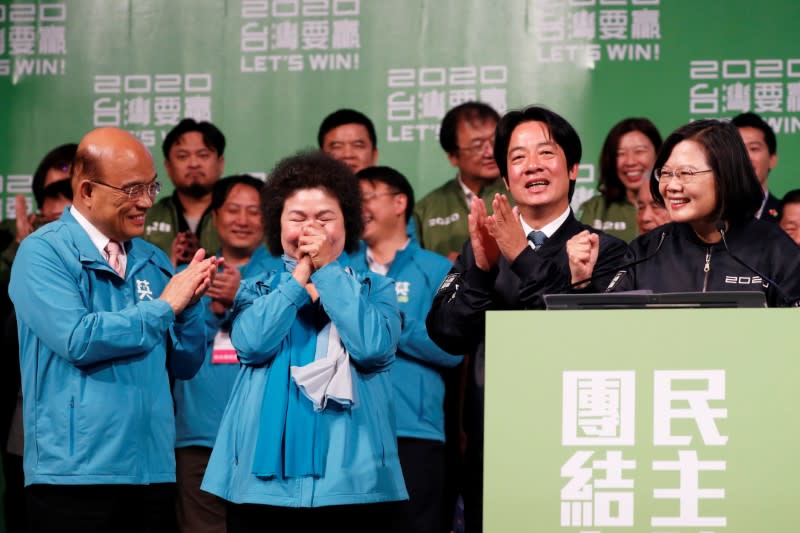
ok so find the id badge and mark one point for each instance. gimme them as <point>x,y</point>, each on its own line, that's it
<point>223,353</point>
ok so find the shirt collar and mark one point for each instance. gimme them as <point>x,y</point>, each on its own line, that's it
<point>381,268</point>
<point>468,194</point>
<point>98,239</point>
<point>549,228</point>
<point>763,204</point>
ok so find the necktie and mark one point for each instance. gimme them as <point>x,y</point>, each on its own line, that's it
<point>114,251</point>
<point>537,238</point>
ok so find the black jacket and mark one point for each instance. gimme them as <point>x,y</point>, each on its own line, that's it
<point>456,321</point>
<point>680,263</point>
<point>771,208</point>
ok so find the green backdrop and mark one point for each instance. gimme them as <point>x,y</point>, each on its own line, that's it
<point>268,71</point>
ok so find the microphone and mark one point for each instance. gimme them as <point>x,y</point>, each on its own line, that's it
<point>621,271</point>
<point>722,231</point>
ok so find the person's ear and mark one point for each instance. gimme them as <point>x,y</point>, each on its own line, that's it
<point>400,204</point>
<point>85,192</point>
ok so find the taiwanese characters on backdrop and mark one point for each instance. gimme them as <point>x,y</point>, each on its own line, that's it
<point>513,257</point>
<point>200,401</point>
<point>98,416</point>
<point>707,182</point>
<point>626,161</point>
<point>194,160</point>
<point>308,436</point>
<point>417,378</point>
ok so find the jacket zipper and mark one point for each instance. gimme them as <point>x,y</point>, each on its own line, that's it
<point>706,269</point>
<point>71,443</point>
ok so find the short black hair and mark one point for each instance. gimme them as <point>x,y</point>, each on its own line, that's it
<point>57,189</point>
<point>342,117</point>
<point>610,185</point>
<point>212,137</point>
<point>472,112</point>
<point>392,179</point>
<point>751,120</point>
<point>222,188</point>
<point>739,193</point>
<point>60,158</point>
<point>791,197</point>
<point>311,170</point>
<point>558,128</point>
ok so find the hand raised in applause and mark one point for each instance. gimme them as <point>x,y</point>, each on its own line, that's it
<point>24,222</point>
<point>505,228</point>
<point>223,290</point>
<point>187,286</point>
<point>484,246</point>
<point>582,251</point>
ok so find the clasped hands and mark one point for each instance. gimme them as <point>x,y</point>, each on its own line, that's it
<point>314,251</point>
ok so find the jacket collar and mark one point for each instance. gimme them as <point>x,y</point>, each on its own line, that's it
<point>88,254</point>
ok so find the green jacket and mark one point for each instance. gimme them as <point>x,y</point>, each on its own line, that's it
<point>615,218</point>
<point>165,220</point>
<point>441,217</point>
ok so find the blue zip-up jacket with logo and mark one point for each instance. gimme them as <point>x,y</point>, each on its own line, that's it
<point>200,401</point>
<point>416,379</point>
<point>95,351</point>
<point>361,464</point>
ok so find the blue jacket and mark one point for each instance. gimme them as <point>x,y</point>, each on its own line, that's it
<point>361,463</point>
<point>95,351</point>
<point>200,401</point>
<point>416,378</point>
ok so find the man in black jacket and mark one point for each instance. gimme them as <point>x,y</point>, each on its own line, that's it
<point>762,147</point>
<point>513,258</point>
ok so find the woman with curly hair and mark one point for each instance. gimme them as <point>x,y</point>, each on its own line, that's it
<point>308,435</point>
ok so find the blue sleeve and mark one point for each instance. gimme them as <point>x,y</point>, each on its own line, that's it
<point>188,342</point>
<point>262,317</point>
<point>48,299</point>
<point>364,311</point>
<point>415,342</point>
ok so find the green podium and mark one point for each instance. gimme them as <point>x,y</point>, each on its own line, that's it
<point>663,421</point>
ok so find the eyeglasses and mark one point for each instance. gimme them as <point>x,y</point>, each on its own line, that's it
<point>684,175</point>
<point>371,196</point>
<point>478,146</point>
<point>133,192</point>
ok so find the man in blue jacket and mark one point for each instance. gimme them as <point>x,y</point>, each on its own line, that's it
<point>103,325</point>
<point>388,203</point>
<point>200,401</point>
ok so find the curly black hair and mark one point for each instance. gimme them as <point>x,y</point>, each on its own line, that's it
<point>311,170</point>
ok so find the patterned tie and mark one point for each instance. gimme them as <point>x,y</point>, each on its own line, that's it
<point>114,251</point>
<point>537,238</point>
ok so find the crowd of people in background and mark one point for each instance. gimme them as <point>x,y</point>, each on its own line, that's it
<point>309,350</point>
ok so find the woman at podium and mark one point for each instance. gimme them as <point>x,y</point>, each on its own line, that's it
<point>704,178</point>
